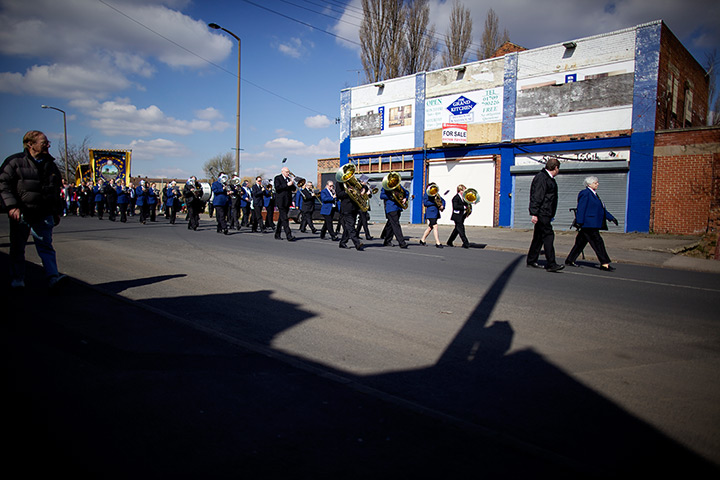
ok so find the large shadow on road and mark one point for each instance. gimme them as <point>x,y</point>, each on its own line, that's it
<point>130,391</point>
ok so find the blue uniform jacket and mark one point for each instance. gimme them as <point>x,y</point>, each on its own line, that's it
<point>99,197</point>
<point>140,195</point>
<point>123,194</point>
<point>390,204</point>
<point>220,197</point>
<point>244,197</point>
<point>432,210</point>
<point>590,210</point>
<point>328,202</point>
<point>298,199</point>
<point>152,196</point>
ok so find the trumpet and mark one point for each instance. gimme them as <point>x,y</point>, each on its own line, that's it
<point>391,183</point>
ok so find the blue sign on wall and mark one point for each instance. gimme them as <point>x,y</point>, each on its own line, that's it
<point>461,106</point>
<point>381,111</point>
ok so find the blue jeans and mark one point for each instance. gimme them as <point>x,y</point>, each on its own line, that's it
<point>42,234</point>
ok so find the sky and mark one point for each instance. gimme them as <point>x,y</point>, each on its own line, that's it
<point>151,76</point>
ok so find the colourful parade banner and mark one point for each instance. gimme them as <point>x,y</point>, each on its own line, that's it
<point>83,174</point>
<point>110,164</point>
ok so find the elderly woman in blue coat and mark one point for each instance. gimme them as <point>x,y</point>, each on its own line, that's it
<point>591,217</point>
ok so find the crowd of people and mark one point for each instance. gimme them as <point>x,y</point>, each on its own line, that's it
<point>35,197</point>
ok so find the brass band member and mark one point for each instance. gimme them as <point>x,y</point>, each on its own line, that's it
<point>193,193</point>
<point>432,213</point>
<point>458,216</point>
<point>364,217</point>
<point>284,189</point>
<point>328,209</point>
<point>258,192</point>
<point>348,216</point>
<point>393,209</point>
<point>308,208</point>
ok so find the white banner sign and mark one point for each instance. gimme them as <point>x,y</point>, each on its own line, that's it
<point>454,133</point>
<point>479,106</point>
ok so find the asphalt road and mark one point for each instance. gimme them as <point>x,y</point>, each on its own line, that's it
<point>614,374</point>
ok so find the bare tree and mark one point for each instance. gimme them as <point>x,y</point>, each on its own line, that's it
<point>224,162</point>
<point>420,43</point>
<point>491,38</point>
<point>394,17</point>
<point>77,155</point>
<point>458,36</point>
<point>372,40</point>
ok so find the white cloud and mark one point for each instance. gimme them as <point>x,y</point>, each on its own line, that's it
<point>120,117</point>
<point>157,148</point>
<point>324,148</point>
<point>294,47</point>
<point>318,121</point>
<point>209,113</point>
<point>92,48</point>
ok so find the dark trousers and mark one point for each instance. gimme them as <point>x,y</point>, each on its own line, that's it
<point>234,216</point>
<point>111,209</point>
<point>283,222</point>
<point>327,227</point>
<point>100,207</point>
<point>458,230</point>
<point>306,221</point>
<point>257,221</point>
<point>392,228</point>
<point>591,236</point>
<point>245,222</point>
<point>144,212</point>
<point>193,216</point>
<point>349,232</point>
<point>220,213</point>
<point>173,209</point>
<point>362,223</point>
<point>543,236</point>
<point>123,207</point>
<point>152,209</point>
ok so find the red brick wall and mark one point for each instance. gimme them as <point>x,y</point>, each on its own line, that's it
<point>686,182</point>
<point>675,59</point>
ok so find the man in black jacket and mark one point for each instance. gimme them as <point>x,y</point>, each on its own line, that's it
<point>284,189</point>
<point>543,206</point>
<point>348,216</point>
<point>30,186</point>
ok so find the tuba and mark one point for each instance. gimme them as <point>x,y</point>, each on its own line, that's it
<point>354,189</point>
<point>434,191</point>
<point>391,183</point>
<point>470,197</point>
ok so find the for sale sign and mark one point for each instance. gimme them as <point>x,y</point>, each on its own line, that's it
<point>454,132</point>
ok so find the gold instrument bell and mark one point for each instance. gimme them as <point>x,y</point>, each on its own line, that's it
<point>346,174</point>
<point>391,183</point>
<point>434,191</point>
<point>471,197</point>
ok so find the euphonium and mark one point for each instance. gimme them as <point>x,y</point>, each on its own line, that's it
<point>471,197</point>
<point>346,175</point>
<point>434,191</point>
<point>391,183</point>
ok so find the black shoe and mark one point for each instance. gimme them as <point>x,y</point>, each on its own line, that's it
<point>291,239</point>
<point>369,237</point>
<point>609,268</point>
<point>555,268</point>
<point>225,231</point>
<point>315,232</point>
<point>438,245</point>
<point>388,244</point>
<point>342,245</point>
<point>422,243</point>
<point>322,237</point>
<point>335,239</point>
<point>302,231</point>
<point>534,265</point>
<point>450,244</point>
<point>360,247</point>
<point>466,245</point>
<point>404,245</point>
<point>571,264</point>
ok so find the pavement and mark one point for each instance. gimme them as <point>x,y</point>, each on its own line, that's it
<point>139,393</point>
<point>655,250</point>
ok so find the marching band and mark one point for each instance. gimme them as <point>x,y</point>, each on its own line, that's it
<point>238,205</point>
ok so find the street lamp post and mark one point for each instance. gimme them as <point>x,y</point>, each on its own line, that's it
<point>237,122</point>
<point>67,177</point>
